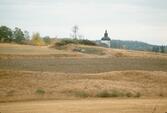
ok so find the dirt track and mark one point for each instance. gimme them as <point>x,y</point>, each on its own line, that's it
<point>87,106</point>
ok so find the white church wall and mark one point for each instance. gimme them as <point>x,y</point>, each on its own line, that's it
<point>108,43</point>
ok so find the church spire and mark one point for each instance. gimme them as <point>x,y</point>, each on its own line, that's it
<point>105,34</point>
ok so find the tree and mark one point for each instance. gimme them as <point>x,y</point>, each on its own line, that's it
<point>27,38</point>
<point>75,31</point>
<point>155,49</point>
<point>47,40</point>
<point>162,49</point>
<point>5,34</point>
<point>18,35</point>
<point>26,35</point>
<point>37,40</point>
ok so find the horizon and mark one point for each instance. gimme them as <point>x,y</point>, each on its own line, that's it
<point>129,20</point>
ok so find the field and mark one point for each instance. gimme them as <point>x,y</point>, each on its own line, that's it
<point>84,65</point>
<point>48,80</point>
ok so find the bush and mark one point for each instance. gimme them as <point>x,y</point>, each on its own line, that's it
<point>40,91</point>
<point>129,94</point>
<point>47,40</point>
<point>113,93</point>
<point>138,94</point>
<point>87,42</point>
<point>37,40</point>
<point>64,42</point>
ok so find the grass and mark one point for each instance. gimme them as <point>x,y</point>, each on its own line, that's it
<point>87,106</point>
<point>89,50</point>
<point>84,65</point>
<point>82,94</point>
<point>138,94</point>
<point>131,77</point>
<point>10,93</point>
<point>103,85</point>
<point>129,94</point>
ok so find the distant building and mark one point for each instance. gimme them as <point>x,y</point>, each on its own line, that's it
<point>106,40</point>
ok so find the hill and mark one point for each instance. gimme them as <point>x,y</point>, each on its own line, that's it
<point>8,51</point>
<point>34,85</point>
<point>133,45</point>
<point>78,71</point>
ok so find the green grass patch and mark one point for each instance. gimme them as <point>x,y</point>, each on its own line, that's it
<point>106,93</point>
<point>40,91</point>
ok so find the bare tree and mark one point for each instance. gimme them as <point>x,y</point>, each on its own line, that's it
<point>75,31</point>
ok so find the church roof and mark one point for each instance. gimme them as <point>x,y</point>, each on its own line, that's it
<point>106,36</point>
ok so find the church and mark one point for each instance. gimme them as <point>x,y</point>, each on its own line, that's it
<point>106,40</point>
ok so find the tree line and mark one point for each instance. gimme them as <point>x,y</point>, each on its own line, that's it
<point>137,45</point>
<point>160,49</point>
<point>7,35</point>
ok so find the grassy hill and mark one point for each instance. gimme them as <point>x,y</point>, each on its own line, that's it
<point>79,71</point>
<point>70,50</point>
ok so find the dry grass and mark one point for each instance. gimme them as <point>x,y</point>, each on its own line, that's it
<point>13,51</point>
<point>87,106</point>
<point>38,75</point>
<point>83,65</point>
<point>25,85</point>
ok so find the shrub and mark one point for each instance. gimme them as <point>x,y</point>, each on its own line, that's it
<point>113,93</point>
<point>64,42</point>
<point>47,40</point>
<point>40,91</point>
<point>37,40</point>
<point>86,42</point>
<point>104,93</point>
<point>138,94</point>
<point>129,94</point>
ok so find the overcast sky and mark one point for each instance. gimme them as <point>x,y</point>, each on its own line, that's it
<point>142,20</point>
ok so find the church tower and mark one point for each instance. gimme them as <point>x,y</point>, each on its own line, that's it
<point>106,40</point>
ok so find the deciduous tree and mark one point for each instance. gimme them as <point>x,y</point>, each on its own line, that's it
<point>5,34</point>
<point>37,40</point>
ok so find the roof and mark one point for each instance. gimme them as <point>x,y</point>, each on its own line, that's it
<point>106,36</point>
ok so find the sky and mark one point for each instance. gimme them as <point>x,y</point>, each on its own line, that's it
<point>138,20</point>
